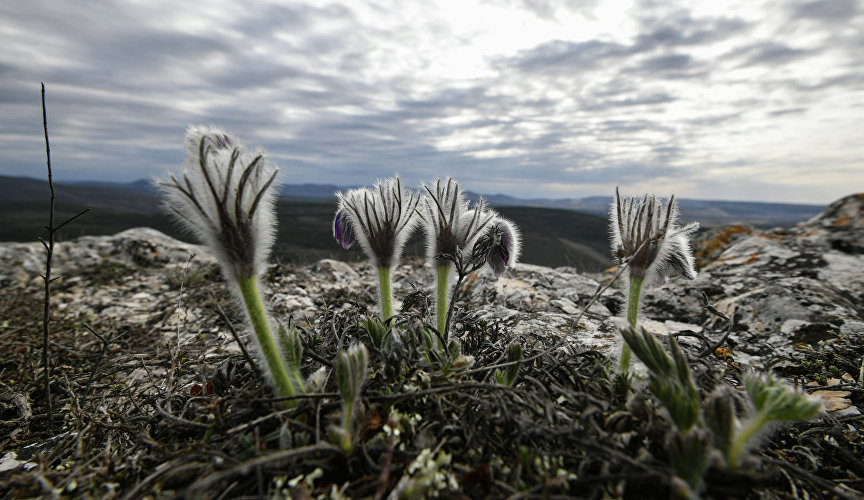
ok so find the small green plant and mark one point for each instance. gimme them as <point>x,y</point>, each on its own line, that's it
<point>377,330</point>
<point>511,372</point>
<point>351,371</point>
<point>646,239</point>
<point>771,402</point>
<point>702,426</point>
<point>292,351</point>
<point>225,199</point>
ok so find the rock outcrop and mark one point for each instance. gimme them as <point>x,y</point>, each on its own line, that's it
<point>784,288</point>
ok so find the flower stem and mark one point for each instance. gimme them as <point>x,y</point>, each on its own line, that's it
<point>632,313</point>
<point>441,303</point>
<point>385,293</point>
<point>261,327</point>
<point>733,458</point>
<point>345,439</point>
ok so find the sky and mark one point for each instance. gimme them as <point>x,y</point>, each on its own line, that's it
<point>758,100</point>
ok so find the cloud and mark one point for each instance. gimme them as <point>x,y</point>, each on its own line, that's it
<point>832,11</point>
<point>541,94</point>
<point>768,53</point>
<point>682,30</point>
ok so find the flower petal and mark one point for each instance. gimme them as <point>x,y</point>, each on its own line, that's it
<point>342,231</point>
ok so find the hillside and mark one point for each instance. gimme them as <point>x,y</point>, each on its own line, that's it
<point>553,237</point>
<point>168,406</point>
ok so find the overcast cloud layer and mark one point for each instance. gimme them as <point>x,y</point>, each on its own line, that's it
<point>751,100</point>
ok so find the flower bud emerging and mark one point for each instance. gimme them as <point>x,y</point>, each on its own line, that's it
<point>689,455</point>
<point>351,371</point>
<point>342,231</point>
<point>719,408</point>
<point>506,247</point>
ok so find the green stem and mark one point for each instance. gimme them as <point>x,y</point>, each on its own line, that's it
<point>441,303</point>
<point>345,440</point>
<point>261,327</point>
<point>733,458</point>
<point>385,292</point>
<point>632,313</point>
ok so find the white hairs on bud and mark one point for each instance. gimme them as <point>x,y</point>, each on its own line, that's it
<point>225,197</point>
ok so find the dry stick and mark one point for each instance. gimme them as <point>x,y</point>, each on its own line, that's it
<point>106,342</point>
<point>244,468</point>
<point>49,246</point>
<point>835,489</point>
<point>233,330</point>
<point>703,299</point>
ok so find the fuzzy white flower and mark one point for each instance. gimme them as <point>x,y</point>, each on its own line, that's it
<point>380,219</point>
<point>645,235</point>
<point>646,238</point>
<point>452,227</point>
<point>451,224</point>
<point>223,197</point>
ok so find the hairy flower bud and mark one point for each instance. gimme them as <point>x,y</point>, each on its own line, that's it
<point>506,247</point>
<point>645,236</point>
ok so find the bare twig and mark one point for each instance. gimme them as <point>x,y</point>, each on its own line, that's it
<point>49,256</point>
<point>46,313</point>
<point>838,490</point>
<point>708,306</point>
<point>244,468</point>
<point>106,342</point>
<point>233,330</point>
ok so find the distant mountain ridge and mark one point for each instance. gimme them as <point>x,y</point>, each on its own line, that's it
<point>707,212</point>
<point>138,196</point>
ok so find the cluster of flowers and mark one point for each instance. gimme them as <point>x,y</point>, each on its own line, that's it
<point>224,198</point>
<point>382,218</point>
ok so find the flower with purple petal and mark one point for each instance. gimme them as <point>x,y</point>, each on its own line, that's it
<point>506,246</point>
<point>380,220</point>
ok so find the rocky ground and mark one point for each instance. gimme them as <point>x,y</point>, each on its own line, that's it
<point>161,402</point>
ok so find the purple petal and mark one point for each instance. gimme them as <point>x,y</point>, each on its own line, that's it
<point>342,231</point>
<point>499,258</point>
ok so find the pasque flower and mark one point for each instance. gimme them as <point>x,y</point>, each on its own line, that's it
<point>380,219</point>
<point>646,238</point>
<point>225,198</point>
<point>452,226</point>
